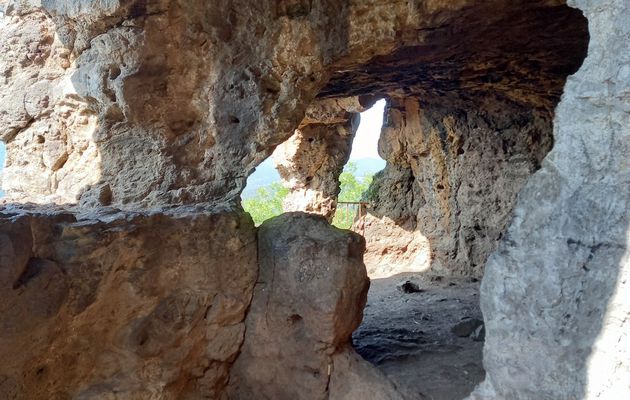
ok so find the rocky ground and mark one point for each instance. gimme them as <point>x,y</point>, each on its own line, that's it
<point>408,334</point>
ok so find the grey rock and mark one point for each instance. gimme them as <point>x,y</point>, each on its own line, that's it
<point>554,295</point>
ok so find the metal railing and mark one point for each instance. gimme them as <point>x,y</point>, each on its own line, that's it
<point>351,215</point>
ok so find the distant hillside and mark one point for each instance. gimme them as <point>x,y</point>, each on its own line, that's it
<point>368,166</point>
<point>266,173</point>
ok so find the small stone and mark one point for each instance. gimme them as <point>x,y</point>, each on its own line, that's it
<point>409,287</point>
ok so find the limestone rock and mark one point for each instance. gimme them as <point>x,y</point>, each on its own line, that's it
<point>166,101</point>
<point>175,102</point>
<point>142,104</point>
<point>122,305</point>
<point>453,174</point>
<point>554,295</point>
<point>308,300</point>
<point>311,161</point>
<point>51,154</point>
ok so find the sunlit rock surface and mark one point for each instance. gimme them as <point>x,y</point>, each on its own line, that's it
<point>157,104</point>
<point>555,293</point>
<point>311,161</point>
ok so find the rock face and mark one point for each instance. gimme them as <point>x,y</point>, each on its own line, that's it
<point>131,305</point>
<point>554,295</point>
<point>165,103</point>
<point>311,161</point>
<point>454,170</point>
<point>147,103</point>
<point>298,340</point>
<point>48,129</point>
<point>126,306</point>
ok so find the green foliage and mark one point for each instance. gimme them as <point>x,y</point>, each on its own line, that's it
<point>352,189</point>
<point>371,193</point>
<point>267,203</point>
<point>268,200</point>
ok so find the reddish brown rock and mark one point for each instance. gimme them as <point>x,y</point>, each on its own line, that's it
<point>122,305</point>
<point>308,300</point>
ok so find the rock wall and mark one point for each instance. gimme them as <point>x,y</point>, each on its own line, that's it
<point>146,103</point>
<point>139,104</point>
<point>554,295</point>
<point>454,170</point>
<point>132,305</point>
<point>124,306</point>
<point>308,300</point>
<point>311,161</point>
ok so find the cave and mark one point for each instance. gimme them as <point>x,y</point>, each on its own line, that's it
<point>129,269</point>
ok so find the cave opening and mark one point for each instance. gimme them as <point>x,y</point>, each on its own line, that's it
<point>325,168</point>
<point>467,122</point>
<point>471,90</point>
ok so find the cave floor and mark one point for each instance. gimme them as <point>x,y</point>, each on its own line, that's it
<point>408,335</point>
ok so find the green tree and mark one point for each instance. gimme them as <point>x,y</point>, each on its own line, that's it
<point>268,200</point>
<point>267,203</point>
<point>353,189</point>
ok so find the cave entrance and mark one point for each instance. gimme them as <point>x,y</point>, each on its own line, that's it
<point>325,168</point>
<point>469,118</point>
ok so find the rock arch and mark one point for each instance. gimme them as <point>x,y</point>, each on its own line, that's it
<point>161,109</point>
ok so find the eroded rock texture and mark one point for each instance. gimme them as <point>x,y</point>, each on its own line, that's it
<point>122,306</point>
<point>144,103</point>
<point>555,294</point>
<point>308,300</point>
<point>454,170</point>
<point>137,306</point>
<point>311,161</point>
<point>468,120</point>
<point>138,104</point>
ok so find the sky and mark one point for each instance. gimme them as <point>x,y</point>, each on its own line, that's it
<point>365,143</point>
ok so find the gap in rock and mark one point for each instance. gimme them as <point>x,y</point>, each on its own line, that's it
<point>265,194</point>
<point>422,329</point>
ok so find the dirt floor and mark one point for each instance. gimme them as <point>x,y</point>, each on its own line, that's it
<point>408,335</point>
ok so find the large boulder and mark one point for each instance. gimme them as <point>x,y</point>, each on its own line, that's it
<point>309,298</point>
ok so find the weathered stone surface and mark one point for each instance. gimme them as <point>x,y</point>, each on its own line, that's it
<point>168,102</point>
<point>122,306</point>
<point>393,248</point>
<point>311,161</point>
<point>308,300</point>
<point>175,102</point>
<point>555,293</point>
<point>51,153</point>
<point>454,170</point>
